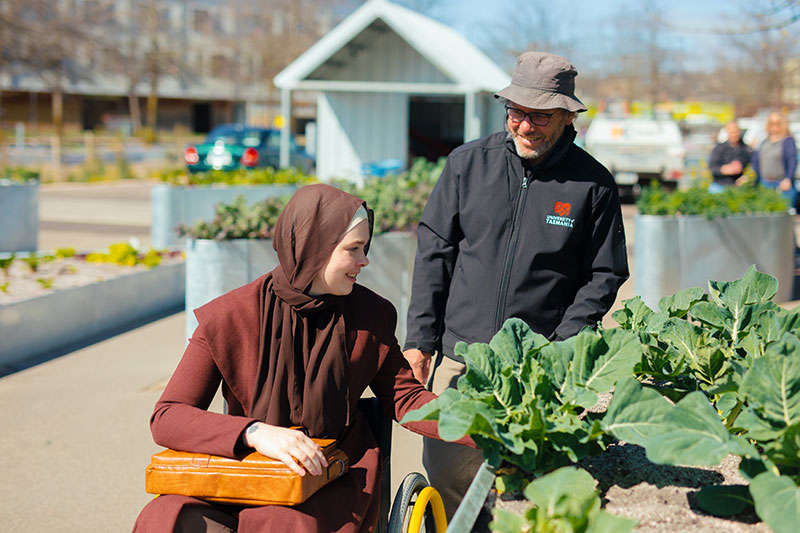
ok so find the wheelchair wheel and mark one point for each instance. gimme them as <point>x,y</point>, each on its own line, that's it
<point>403,502</point>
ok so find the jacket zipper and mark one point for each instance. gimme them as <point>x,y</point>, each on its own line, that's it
<point>510,248</point>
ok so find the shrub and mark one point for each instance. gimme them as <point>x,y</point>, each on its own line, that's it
<point>397,200</point>
<point>242,176</point>
<point>744,200</point>
<point>19,175</point>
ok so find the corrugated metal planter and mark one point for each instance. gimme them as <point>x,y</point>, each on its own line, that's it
<point>675,253</point>
<point>173,205</point>
<point>216,267</point>
<point>66,318</point>
<point>19,216</point>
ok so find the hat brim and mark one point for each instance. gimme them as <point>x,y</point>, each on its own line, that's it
<point>537,99</point>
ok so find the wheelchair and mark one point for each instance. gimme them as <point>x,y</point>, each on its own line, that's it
<point>417,505</point>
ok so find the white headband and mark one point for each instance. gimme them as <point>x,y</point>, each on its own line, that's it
<point>361,214</point>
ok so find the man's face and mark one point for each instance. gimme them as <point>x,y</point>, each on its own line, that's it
<point>531,140</point>
<point>734,133</point>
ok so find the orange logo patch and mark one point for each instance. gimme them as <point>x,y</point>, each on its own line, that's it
<point>562,209</point>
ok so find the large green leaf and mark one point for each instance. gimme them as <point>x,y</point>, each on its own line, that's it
<point>568,490</point>
<point>601,358</point>
<point>777,501</point>
<point>515,341</point>
<point>678,304</point>
<point>774,323</point>
<point>507,522</point>
<point>555,360</point>
<point>605,522</point>
<point>712,315</point>
<point>687,433</point>
<point>684,339</point>
<point>634,314</point>
<point>753,288</point>
<point>725,500</point>
<point>692,434</point>
<point>431,410</point>
<point>772,385</point>
<point>733,321</point>
<point>464,417</point>
<point>635,413</point>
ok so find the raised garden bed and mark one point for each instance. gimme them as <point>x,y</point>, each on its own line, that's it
<point>68,301</point>
<point>685,238</point>
<point>707,386</point>
<point>174,205</point>
<point>19,215</point>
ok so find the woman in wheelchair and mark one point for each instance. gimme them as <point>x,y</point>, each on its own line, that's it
<point>297,347</point>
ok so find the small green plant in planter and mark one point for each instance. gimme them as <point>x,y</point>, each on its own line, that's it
<point>33,261</point>
<point>5,264</point>
<point>238,221</point>
<point>697,200</point>
<point>19,175</point>
<point>126,254</point>
<point>254,176</point>
<point>46,283</point>
<point>397,201</point>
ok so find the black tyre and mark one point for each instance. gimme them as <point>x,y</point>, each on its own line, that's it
<point>402,505</point>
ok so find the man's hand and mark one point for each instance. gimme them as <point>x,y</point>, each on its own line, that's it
<point>732,168</point>
<point>785,185</point>
<point>420,363</point>
<point>293,448</point>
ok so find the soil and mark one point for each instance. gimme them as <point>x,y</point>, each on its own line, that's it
<point>59,275</point>
<point>661,498</point>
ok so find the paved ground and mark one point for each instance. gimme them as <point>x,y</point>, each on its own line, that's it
<point>75,438</point>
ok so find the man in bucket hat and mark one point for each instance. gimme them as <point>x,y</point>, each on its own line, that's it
<point>522,223</point>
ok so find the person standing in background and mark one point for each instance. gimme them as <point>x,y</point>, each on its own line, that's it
<point>729,159</point>
<point>775,161</point>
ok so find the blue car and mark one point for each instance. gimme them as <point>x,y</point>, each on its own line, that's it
<point>233,146</point>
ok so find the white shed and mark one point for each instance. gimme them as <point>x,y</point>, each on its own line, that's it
<point>392,84</point>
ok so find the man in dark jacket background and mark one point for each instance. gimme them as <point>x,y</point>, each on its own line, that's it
<point>729,159</point>
<point>522,223</point>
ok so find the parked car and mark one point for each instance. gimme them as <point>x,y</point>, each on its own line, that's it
<point>233,146</point>
<point>637,150</point>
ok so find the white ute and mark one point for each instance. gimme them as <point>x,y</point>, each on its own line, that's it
<point>638,150</point>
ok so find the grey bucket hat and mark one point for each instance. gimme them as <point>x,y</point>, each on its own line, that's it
<point>543,81</point>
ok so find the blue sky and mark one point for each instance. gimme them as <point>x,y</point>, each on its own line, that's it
<point>594,26</point>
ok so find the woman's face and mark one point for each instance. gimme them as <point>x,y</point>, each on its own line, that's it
<point>348,258</point>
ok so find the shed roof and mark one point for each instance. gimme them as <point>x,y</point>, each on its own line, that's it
<point>467,68</point>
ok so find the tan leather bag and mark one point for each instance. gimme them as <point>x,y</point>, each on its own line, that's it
<point>255,480</point>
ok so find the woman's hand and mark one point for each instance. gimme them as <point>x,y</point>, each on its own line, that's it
<point>785,184</point>
<point>293,448</point>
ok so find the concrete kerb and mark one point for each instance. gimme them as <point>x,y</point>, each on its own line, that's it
<point>38,327</point>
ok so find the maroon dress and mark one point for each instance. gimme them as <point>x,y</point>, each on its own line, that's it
<point>224,349</point>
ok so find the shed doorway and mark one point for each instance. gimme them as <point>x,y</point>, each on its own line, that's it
<point>435,126</point>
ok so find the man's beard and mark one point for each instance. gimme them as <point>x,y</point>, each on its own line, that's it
<point>543,149</point>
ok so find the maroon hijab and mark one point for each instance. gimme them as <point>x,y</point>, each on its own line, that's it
<point>302,372</point>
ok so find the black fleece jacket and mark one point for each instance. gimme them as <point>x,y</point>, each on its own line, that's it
<point>499,239</point>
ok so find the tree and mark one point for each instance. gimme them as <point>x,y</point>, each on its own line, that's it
<point>532,25</point>
<point>764,37</point>
<point>47,42</point>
